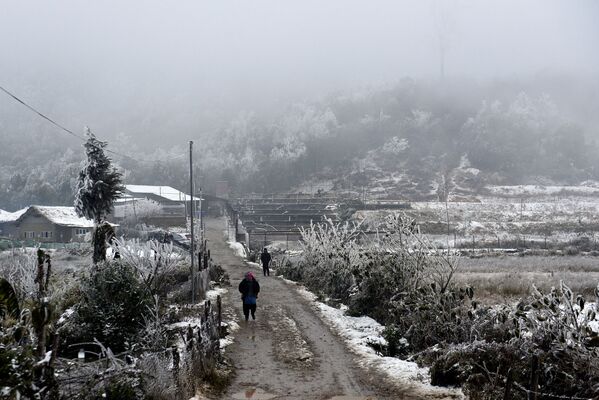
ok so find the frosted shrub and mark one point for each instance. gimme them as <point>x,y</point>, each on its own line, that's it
<point>18,268</point>
<point>371,275</point>
<point>140,209</point>
<point>112,309</point>
<point>553,335</point>
<point>153,261</point>
<point>329,253</point>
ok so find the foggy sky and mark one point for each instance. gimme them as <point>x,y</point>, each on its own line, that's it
<point>103,58</point>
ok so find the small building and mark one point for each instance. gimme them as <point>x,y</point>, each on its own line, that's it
<point>54,224</point>
<point>7,222</point>
<point>171,210</point>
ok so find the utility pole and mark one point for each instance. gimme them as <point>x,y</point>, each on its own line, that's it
<point>191,247</point>
<point>201,217</point>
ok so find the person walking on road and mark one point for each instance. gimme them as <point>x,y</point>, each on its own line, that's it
<point>249,289</point>
<point>265,258</point>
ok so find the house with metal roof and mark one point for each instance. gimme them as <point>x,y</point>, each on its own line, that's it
<point>54,224</point>
<point>172,205</point>
<point>7,220</point>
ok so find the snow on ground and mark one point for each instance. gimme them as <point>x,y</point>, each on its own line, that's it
<point>212,294</point>
<point>492,219</point>
<point>232,326</point>
<point>65,315</point>
<point>540,190</point>
<point>358,332</point>
<point>237,248</point>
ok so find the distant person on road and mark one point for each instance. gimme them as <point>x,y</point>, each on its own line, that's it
<point>249,289</point>
<point>265,258</point>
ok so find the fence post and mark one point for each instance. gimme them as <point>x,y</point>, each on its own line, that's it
<point>219,316</point>
<point>534,378</point>
<point>508,385</point>
<point>175,353</point>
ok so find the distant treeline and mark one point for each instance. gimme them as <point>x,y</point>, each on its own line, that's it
<point>542,128</point>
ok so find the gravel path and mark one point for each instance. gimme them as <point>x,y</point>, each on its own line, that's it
<point>288,352</point>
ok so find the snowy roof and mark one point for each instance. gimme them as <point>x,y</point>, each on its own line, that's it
<point>7,216</point>
<point>65,216</point>
<point>166,192</point>
<point>124,198</point>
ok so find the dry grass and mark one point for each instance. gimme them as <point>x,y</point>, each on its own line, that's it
<point>507,278</point>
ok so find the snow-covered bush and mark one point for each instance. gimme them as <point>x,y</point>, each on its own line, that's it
<point>396,277</point>
<point>154,262</point>
<point>18,268</point>
<point>139,209</point>
<point>329,252</point>
<point>27,356</point>
<point>112,308</point>
<point>557,331</point>
<point>17,359</point>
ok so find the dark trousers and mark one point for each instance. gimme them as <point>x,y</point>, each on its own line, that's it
<point>246,311</point>
<point>265,269</point>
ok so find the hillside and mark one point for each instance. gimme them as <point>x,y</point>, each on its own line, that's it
<point>416,140</point>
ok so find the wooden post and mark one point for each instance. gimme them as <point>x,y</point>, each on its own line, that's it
<point>175,354</point>
<point>191,247</point>
<point>507,395</point>
<point>219,315</point>
<point>534,378</point>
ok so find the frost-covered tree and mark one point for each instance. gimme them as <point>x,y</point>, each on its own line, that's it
<point>98,186</point>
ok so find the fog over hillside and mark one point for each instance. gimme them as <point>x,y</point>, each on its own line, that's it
<point>259,85</point>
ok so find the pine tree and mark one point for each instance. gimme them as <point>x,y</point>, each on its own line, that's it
<point>98,186</point>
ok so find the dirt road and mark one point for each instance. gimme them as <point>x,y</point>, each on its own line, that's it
<point>288,352</point>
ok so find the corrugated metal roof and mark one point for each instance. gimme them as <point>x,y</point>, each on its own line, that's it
<point>66,216</point>
<point>166,192</point>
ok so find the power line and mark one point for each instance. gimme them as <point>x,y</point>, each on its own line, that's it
<point>70,132</point>
<point>42,115</point>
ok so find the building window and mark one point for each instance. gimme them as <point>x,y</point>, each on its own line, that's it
<point>29,235</point>
<point>80,231</point>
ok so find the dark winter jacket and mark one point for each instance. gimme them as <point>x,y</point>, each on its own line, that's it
<point>249,288</point>
<point>265,258</point>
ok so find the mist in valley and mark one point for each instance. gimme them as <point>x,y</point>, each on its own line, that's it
<point>276,94</point>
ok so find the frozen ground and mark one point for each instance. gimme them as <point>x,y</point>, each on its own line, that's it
<point>493,219</point>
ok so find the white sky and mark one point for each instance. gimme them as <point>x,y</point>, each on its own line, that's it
<point>241,53</point>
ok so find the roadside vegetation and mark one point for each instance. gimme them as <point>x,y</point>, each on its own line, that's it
<point>544,340</point>
<point>118,326</point>
<point>118,329</point>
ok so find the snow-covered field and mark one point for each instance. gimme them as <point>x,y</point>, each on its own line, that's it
<point>500,218</point>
